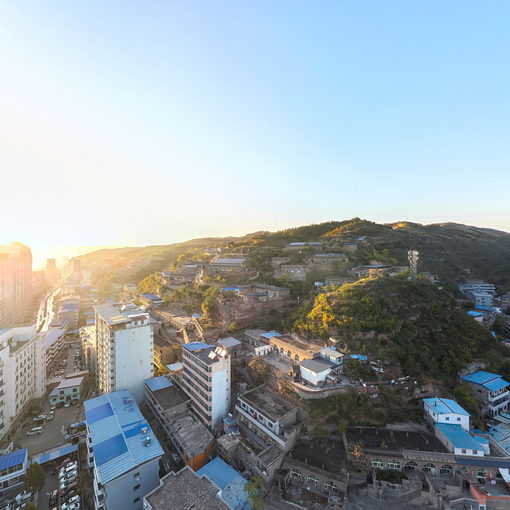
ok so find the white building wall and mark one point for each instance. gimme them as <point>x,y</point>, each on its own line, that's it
<point>121,494</point>
<point>314,377</point>
<point>220,402</point>
<point>133,354</point>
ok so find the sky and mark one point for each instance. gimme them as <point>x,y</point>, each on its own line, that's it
<point>135,123</point>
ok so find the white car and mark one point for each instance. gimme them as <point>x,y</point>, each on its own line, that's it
<point>73,506</point>
<point>35,430</point>
<point>68,474</point>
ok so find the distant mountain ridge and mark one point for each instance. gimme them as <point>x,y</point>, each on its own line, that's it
<point>452,251</point>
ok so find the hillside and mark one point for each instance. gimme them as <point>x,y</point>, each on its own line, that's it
<point>414,324</point>
<point>451,251</point>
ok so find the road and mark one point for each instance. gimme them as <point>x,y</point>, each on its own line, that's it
<point>45,314</point>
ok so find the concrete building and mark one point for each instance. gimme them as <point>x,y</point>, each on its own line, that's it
<point>67,391</point>
<point>150,300</point>
<point>15,282</point>
<point>233,346</point>
<point>13,467</point>
<point>229,481</point>
<point>297,246</point>
<point>53,343</point>
<point>320,260</point>
<point>491,390</point>
<point>445,410</point>
<point>123,452</point>
<point>190,437</point>
<point>228,265</point>
<point>294,272</point>
<point>22,375</point>
<point>481,293</point>
<point>185,489</point>
<point>89,350</point>
<point>124,346</point>
<point>319,369</point>
<point>288,347</point>
<point>206,379</point>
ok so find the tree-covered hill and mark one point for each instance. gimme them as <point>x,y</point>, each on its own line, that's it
<point>413,323</point>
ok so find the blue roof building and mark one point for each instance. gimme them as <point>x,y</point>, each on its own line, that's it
<point>490,390</point>
<point>13,466</point>
<point>229,481</point>
<point>124,449</point>
<point>445,410</point>
<point>459,441</point>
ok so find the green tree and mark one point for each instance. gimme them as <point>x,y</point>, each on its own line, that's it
<point>30,506</point>
<point>253,491</point>
<point>260,367</point>
<point>35,478</point>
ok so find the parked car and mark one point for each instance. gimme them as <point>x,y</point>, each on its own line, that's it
<point>50,416</point>
<point>72,500</point>
<point>66,475</point>
<point>68,495</point>
<point>53,498</point>
<point>53,407</point>
<point>68,487</point>
<point>73,506</point>
<point>35,430</point>
<point>41,417</point>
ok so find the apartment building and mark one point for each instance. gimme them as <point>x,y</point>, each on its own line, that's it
<point>481,293</point>
<point>124,348</point>
<point>22,375</point>
<point>15,281</point>
<point>490,390</point>
<point>123,452</point>
<point>206,379</point>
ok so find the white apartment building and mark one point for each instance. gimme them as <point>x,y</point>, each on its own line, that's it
<point>22,374</point>
<point>124,349</point>
<point>445,410</point>
<point>123,452</point>
<point>206,379</point>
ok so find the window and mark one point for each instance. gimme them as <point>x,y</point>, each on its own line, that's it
<point>136,500</point>
<point>136,487</point>
<point>311,480</point>
<point>447,418</point>
<point>377,463</point>
<point>394,464</point>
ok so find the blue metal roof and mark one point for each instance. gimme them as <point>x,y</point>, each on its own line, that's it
<point>492,382</point>
<point>197,346</point>
<point>119,434</point>
<point>54,454</point>
<point>158,383</point>
<point>270,334</point>
<point>444,406</point>
<point>361,357</point>
<point>458,436</point>
<point>14,458</point>
<point>474,313</point>
<point>229,481</point>
<point>152,297</point>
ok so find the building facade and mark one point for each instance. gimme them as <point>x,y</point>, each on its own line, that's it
<point>490,390</point>
<point>22,375</point>
<point>123,452</point>
<point>206,380</point>
<point>15,281</point>
<point>124,349</point>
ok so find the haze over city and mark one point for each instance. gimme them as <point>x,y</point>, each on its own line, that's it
<point>131,125</point>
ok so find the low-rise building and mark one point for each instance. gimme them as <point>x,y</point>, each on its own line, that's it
<point>316,370</point>
<point>13,467</point>
<point>53,343</point>
<point>67,391</point>
<point>371,270</point>
<point>300,245</point>
<point>229,481</point>
<point>294,272</point>
<point>491,390</point>
<point>228,265</point>
<point>319,260</point>
<point>293,349</point>
<point>123,452</point>
<point>233,346</point>
<point>185,489</point>
<point>445,410</point>
<point>148,300</point>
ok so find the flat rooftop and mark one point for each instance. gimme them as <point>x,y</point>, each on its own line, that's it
<point>372,437</point>
<point>117,314</point>
<point>193,436</point>
<point>325,454</point>
<point>185,489</point>
<point>267,402</point>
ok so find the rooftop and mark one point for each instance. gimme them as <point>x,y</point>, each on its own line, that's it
<point>373,437</point>
<point>267,402</point>
<point>317,365</point>
<point>14,458</point>
<point>326,454</point>
<point>70,383</point>
<point>193,436</point>
<point>158,383</point>
<point>229,342</point>
<point>444,406</point>
<point>186,489</point>
<point>121,437</point>
<point>151,297</point>
<point>51,336</point>
<point>229,481</point>
<point>117,315</point>
<point>233,262</point>
<point>492,382</point>
<point>458,436</point>
<point>167,396</point>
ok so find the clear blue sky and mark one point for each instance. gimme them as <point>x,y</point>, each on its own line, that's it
<point>126,122</point>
